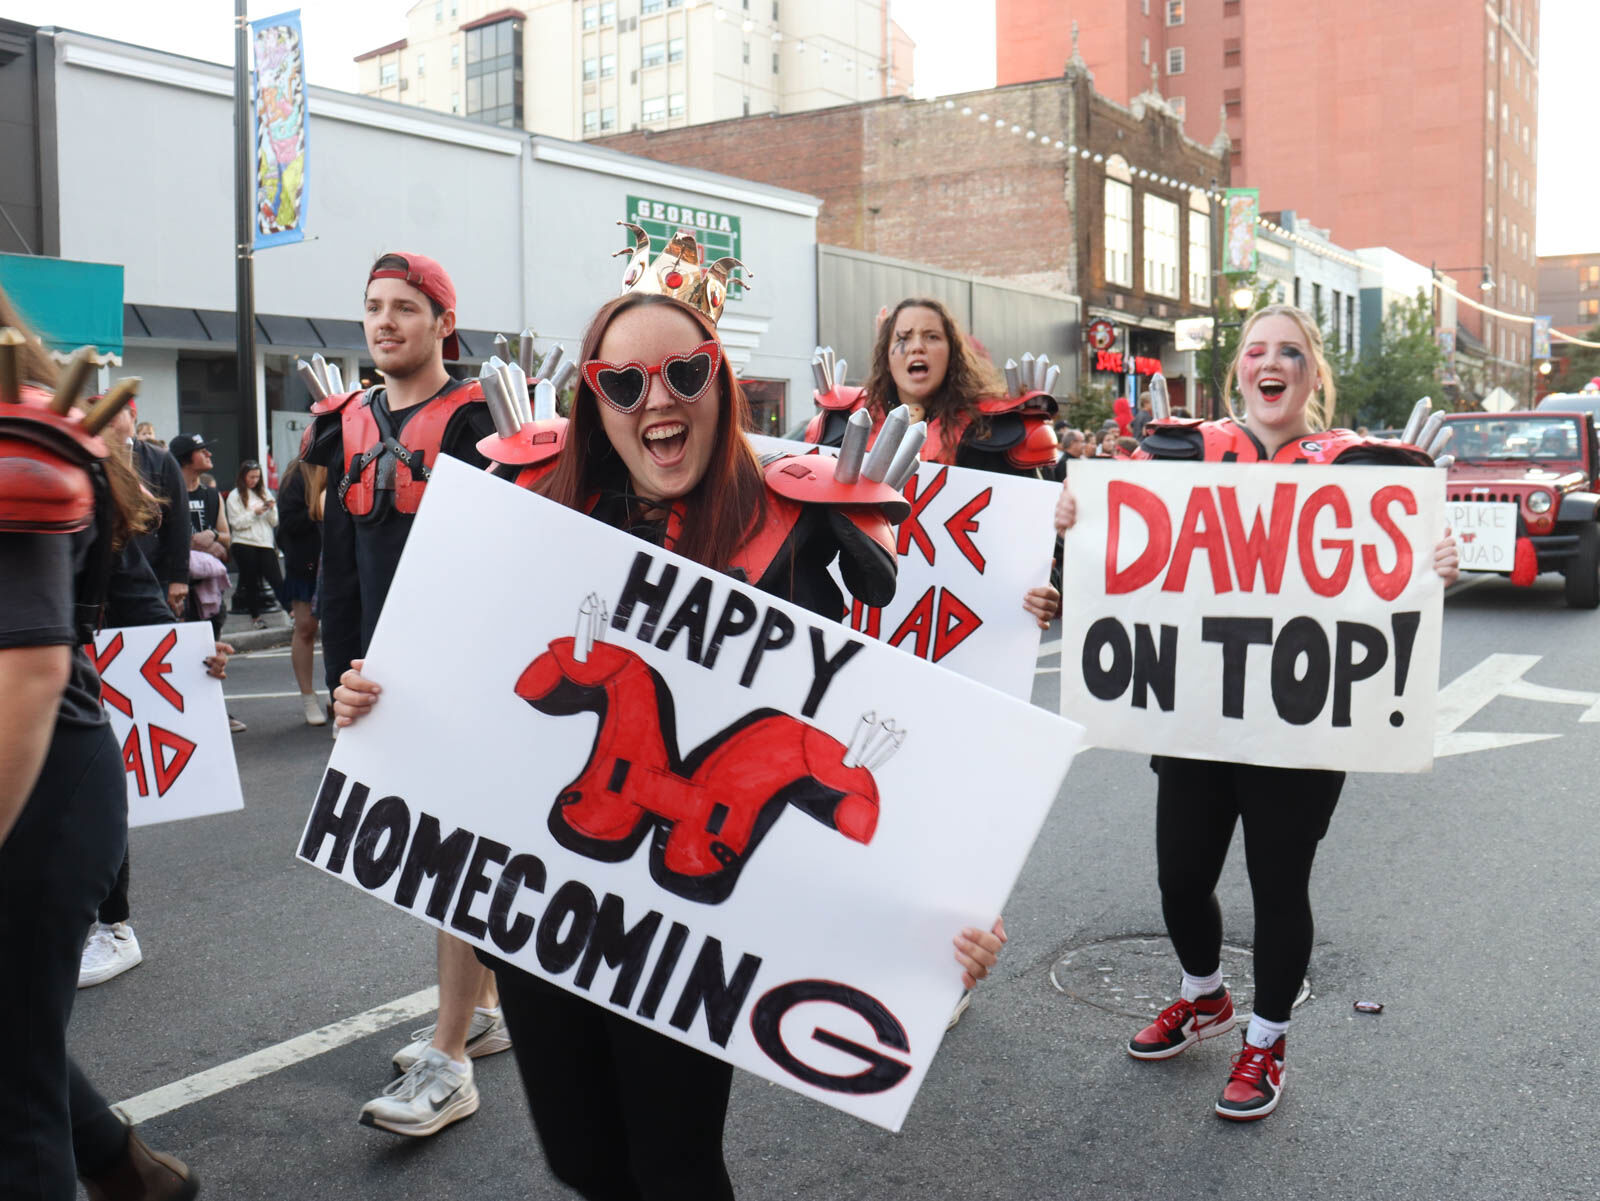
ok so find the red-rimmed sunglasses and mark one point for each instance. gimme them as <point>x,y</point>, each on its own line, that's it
<point>687,376</point>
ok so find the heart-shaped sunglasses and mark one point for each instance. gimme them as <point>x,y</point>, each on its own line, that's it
<point>687,376</point>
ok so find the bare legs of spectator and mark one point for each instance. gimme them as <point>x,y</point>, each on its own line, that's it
<point>464,984</point>
<point>302,648</point>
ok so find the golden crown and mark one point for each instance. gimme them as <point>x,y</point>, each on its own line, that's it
<point>679,273</point>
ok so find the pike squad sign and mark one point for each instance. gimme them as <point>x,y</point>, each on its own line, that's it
<point>708,810</point>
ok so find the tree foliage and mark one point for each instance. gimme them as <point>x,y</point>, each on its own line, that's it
<point>1582,362</point>
<point>1378,387</point>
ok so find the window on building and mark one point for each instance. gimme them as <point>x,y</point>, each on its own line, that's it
<point>1160,246</point>
<point>1144,7</point>
<point>388,74</point>
<point>1230,8</point>
<point>1179,105</point>
<point>1589,278</point>
<point>1119,233</point>
<point>675,104</point>
<point>455,54</point>
<point>591,121</point>
<point>455,102</point>
<point>608,13</point>
<point>422,63</point>
<point>608,118</point>
<point>651,6</point>
<point>1316,303</point>
<point>1523,238</point>
<point>1350,323</point>
<point>494,73</point>
<point>1144,51</point>
<point>674,50</point>
<point>1491,104</point>
<point>1199,257</point>
<point>674,3</point>
<point>654,109</point>
<point>1233,100</point>
<point>438,10</point>
<point>1232,52</point>
<point>1297,291</point>
<point>774,62</point>
<point>1335,316</point>
<point>747,52</point>
<point>1488,220</point>
<point>591,69</point>
<point>591,16</point>
<point>653,55</point>
<point>1489,159</point>
<point>774,10</point>
<point>1491,43</point>
<point>747,106</point>
<point>608,65</point>
<point>1174,12</point>
<point>1175,60</point>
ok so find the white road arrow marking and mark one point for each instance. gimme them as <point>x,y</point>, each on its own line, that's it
<point>1498,675</point>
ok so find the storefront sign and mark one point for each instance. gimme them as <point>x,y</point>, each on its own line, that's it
<point>1102,334</point>
<point>1114,361</point>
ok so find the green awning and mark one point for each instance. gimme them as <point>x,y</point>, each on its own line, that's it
<point>68,303</point>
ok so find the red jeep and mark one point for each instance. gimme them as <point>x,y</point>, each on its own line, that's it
<point>1548,465</point>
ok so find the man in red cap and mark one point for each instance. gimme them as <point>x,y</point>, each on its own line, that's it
<point>380,447</point>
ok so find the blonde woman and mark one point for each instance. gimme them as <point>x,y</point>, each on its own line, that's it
<point>1286,391</point>
<point>253,519</point>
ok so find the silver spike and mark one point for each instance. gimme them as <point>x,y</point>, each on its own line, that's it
<point>865,729</point>
<point>1013,378</point>
<point>552,362</point>
<point>544,400</point>
<point>819,373</point>
<point>525,352</point>
<point>320,366</point>
<point>502,346</point>
<point>506,419</point>
<point>1160,401</point>
<point>517,384</point>
<point>1444,460</point>
<point>890,435</point>
<point>1025,370</point>
<point>335,378</point>
<point>1440,441</point>
<point>853,448</point>
<point>1050,378</point>
<point>1430,427</point>
<point>907,457</point>
<point>583,635</point>
<point>827,357</point>
<point>1419,414</point>
<point>840,375</point>
<point>564,374</point>
<point>314,385</point>
<point>1040,366</point>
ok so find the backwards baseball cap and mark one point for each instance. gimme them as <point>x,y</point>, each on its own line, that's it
<point>427,277</point>
<point>185,445</point>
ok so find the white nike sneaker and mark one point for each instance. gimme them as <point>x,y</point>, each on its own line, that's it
<point>487,1035</point>
<point>425,1100</point>
<point>110,951</point>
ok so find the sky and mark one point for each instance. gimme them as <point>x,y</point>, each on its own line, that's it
<point>955,52</point>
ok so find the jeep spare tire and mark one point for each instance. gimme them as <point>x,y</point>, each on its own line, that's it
<point>1583,569</point>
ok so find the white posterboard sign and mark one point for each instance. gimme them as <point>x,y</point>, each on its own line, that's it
<point>713,812</point>
<point>1280,615</point>
<point>170,720</point>
<point>1486,532</point>
<point>974,543</point>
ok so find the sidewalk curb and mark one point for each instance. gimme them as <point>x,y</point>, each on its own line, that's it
<point>257,640</point>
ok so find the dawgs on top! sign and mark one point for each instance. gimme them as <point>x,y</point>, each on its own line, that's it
<point>713,812</point>
<point>169,719</point>
<point>974,543</point>
<point>1278,615</point>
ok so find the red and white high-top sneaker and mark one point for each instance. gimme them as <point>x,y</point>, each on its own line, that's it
<point>1182,1024</point>
<point>1255,1083</point>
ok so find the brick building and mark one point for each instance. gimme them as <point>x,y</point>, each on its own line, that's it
<point>1047,186</point>
<point>1412,126</point>
<point>1569,291</point>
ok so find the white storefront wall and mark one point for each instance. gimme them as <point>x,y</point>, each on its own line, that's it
<point>524,225</point>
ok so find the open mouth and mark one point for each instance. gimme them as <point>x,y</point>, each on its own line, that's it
<point>665,443</point>
<point>1271,390</point>
<point>917,369</point>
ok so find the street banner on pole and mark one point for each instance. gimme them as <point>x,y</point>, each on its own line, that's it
<point>1281,615</point>
<point>1541,338</point>
<point>169,718</point>
<point>974,543</point>
<point>699,807</point>
<point>280,112</point>
<point>1240,207</point>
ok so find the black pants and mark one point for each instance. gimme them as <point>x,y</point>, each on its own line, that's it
<point>624,1113</point>
<point>1285,814</point>
<point>114,908</point>
<point>257,563</point>
<point>56,866</point>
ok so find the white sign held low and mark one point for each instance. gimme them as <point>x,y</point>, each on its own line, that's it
<point>711,811</point>
<point>974,543</point>
<point>1279,615</point>
<point>1486,532</point>
<point>169,717</point>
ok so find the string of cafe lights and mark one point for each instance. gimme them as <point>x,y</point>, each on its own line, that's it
<point>1556,334</point>
<point>871,65</point>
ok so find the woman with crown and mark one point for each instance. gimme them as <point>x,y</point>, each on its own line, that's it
<point>1287,389</point>
<point>655,445</point>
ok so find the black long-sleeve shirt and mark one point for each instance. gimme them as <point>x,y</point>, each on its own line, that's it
<point>166,545</point>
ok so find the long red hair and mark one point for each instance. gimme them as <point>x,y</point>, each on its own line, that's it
<point>727,503</point>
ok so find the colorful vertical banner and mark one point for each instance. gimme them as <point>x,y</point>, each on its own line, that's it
<point>280,107</point>
<point>1541,337</point>
<point>1241,207</point>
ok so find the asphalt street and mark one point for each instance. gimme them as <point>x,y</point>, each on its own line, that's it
<point>1463,900</point>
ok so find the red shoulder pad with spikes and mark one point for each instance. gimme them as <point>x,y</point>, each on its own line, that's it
<point>45,486</point>
<point>536,442</point>
<point>809,480</point>
<point>334,403</point>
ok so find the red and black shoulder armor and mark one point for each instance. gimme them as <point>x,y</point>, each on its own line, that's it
<point>46,463</point>
<point>826,427</point>
<point>1227,441</point>
<point>528,455</point>
<point>365,445</point>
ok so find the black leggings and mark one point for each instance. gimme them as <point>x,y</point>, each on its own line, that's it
<point>114,908</point>
<point>1285,813</point>
<point>55,868</point>
<point>624,1113</point>
<point>257,563</point>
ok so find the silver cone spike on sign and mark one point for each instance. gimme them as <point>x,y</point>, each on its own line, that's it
<point>1440,441</point>
<point>308,377</point>
<point>525,352</point>
<point>1160,401</point>
<point>906,458</point>
<point>1050,378</point>
<point>552,362</point>
<point>544,400</point>
<point>890,435</point>
<point>517,384</point>
<point>1013,378</point>
<point>564,374</point>
<point>853,447</point>
<point>1419,414</point>
<point>320,366</point>
<point>1430,429</point>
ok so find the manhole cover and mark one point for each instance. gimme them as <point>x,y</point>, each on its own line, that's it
<point>1138,975</point>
